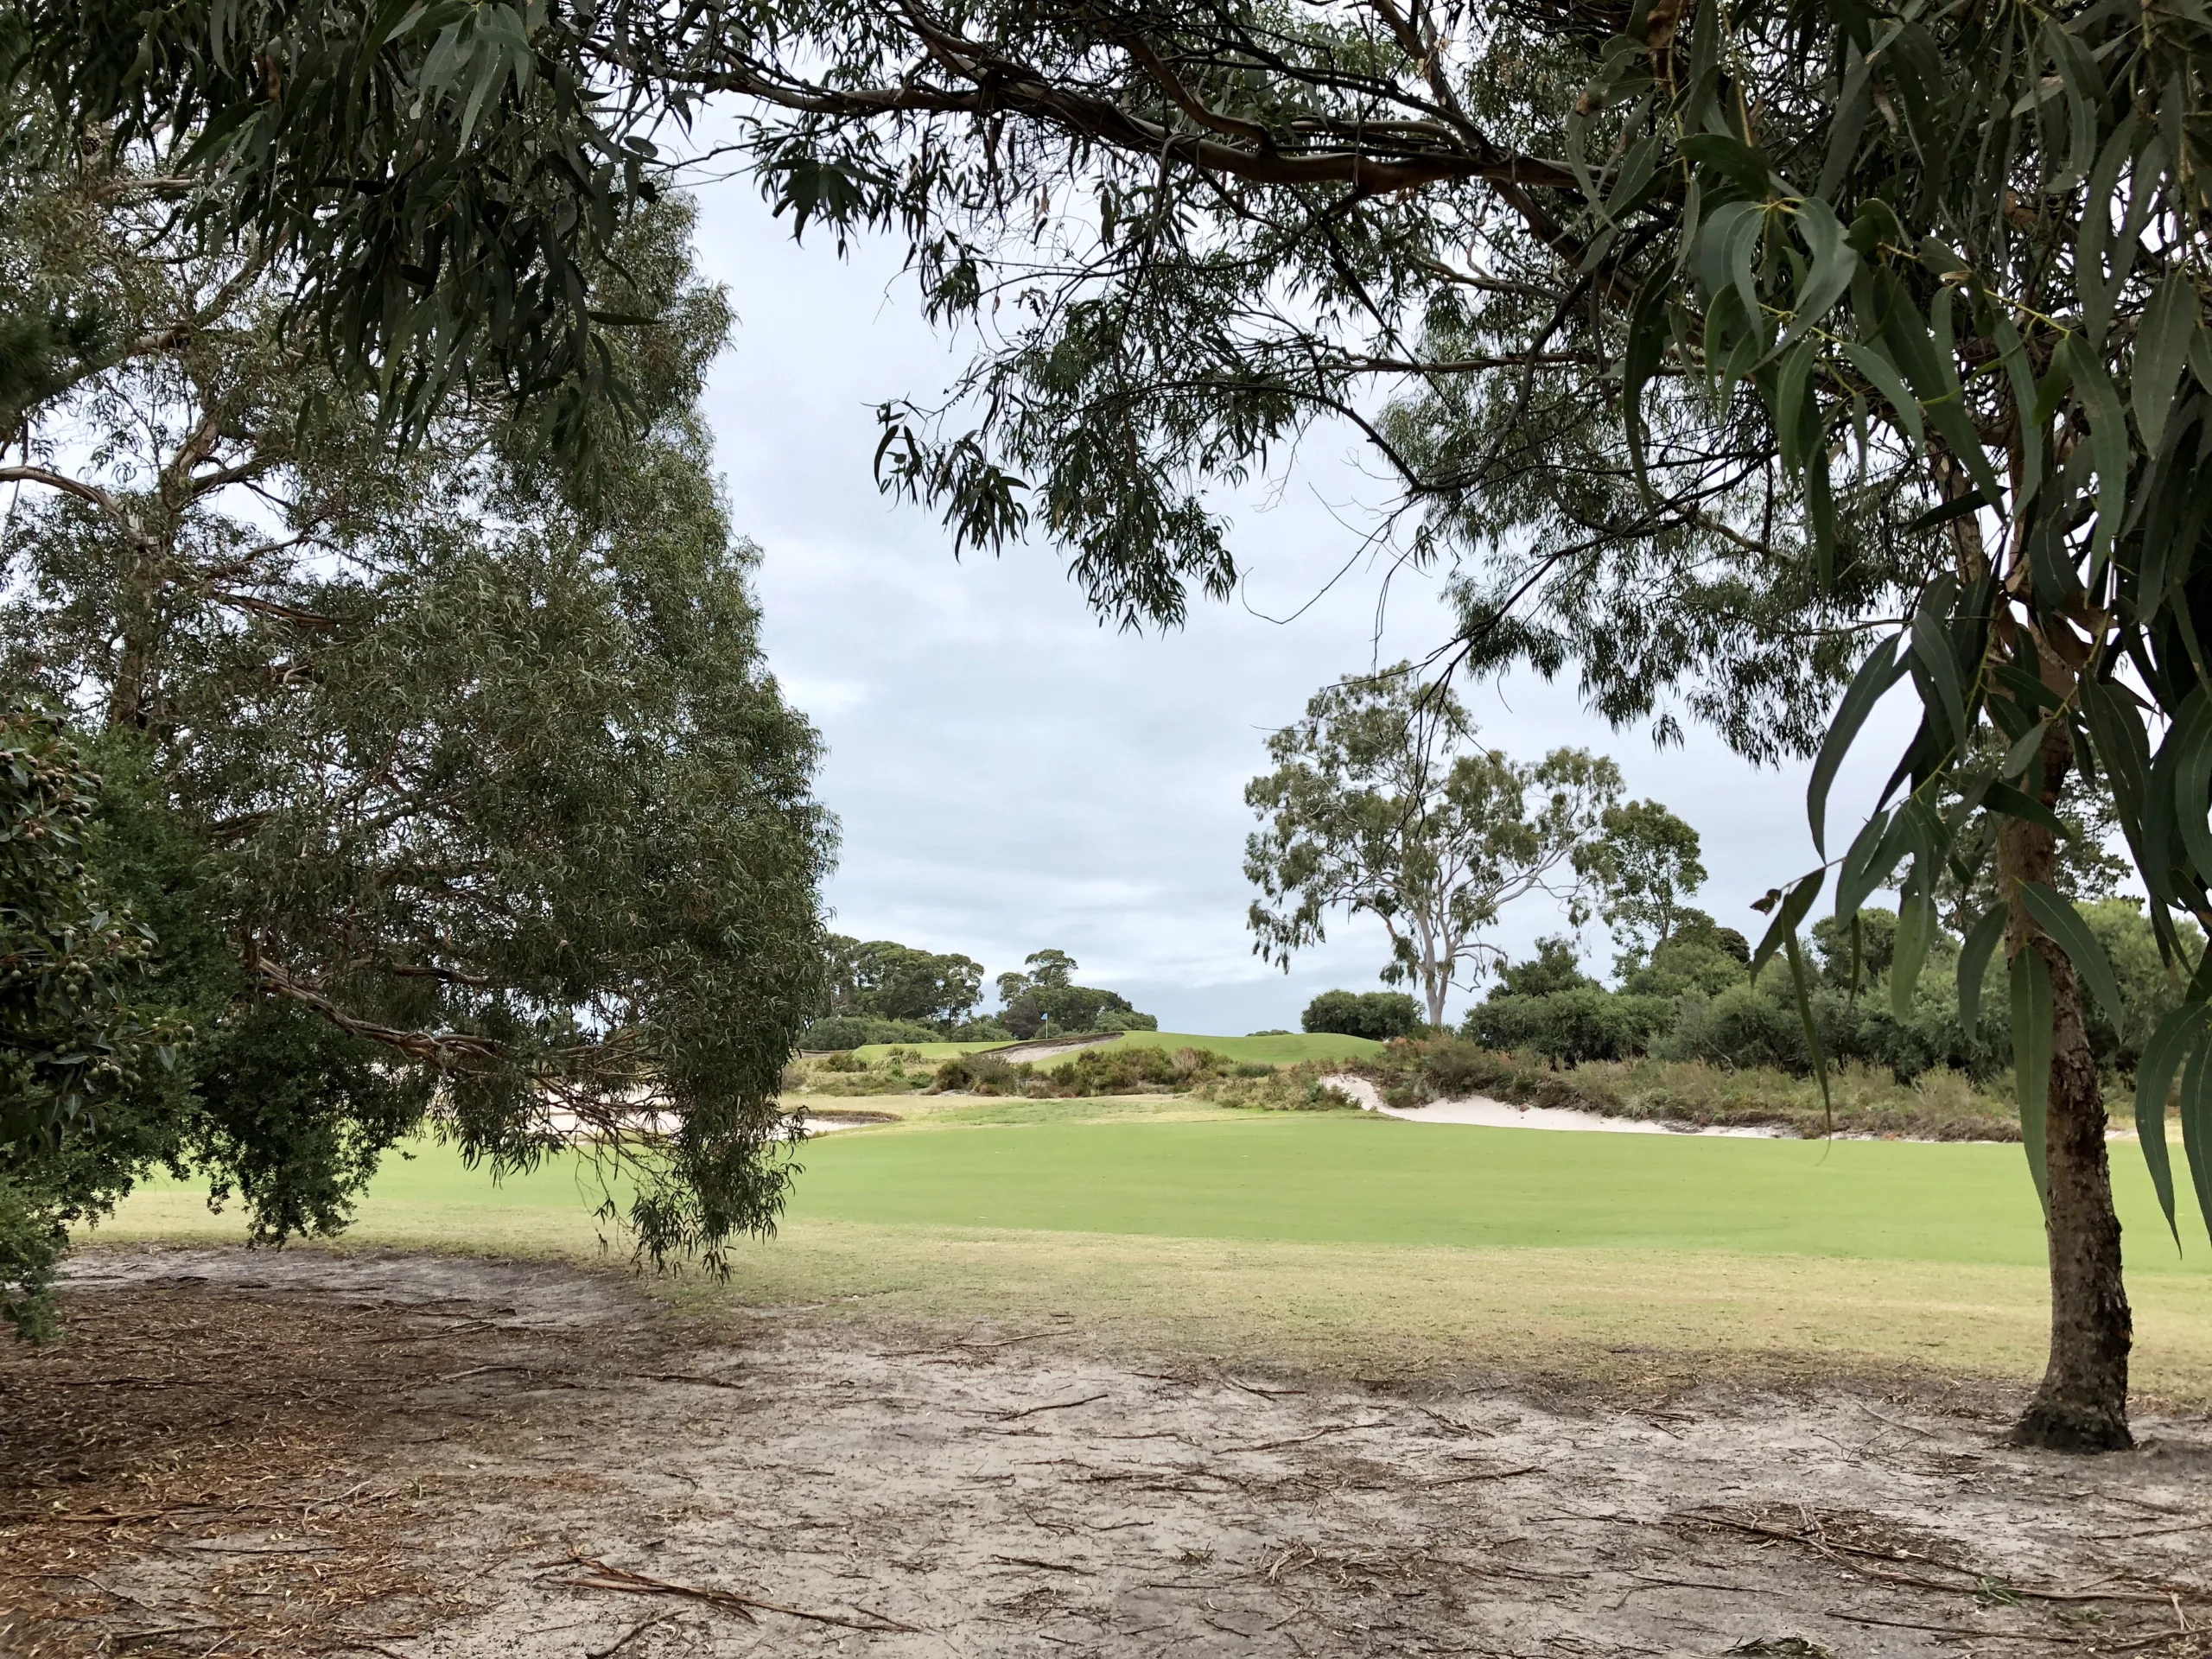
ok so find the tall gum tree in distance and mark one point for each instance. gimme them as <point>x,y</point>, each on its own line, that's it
<point>1382,803</point>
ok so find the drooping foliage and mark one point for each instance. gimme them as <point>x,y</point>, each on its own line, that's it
<point>442,785</point>
<point>1706,340</point>
<point>86,1055</point>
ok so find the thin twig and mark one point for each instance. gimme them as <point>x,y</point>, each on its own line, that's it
<point>1484,1474</point>
<point>1840,1553</point>
<point>1945,1630</point>
<point>627,1637</point>
<point>1061,1405</point>
<point>1300,1440</point>
<point>622,1579</point>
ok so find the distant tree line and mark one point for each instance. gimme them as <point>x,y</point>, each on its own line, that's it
<point>884,992</point>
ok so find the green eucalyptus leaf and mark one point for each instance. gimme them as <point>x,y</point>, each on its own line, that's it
<point>1915,931</point>
<point>1983,938</point>
<point>1881,670</point>
<point>1789,915</point>
<point>2178,1036</point>
<point>2161,353</point>
<point>2057,917</point>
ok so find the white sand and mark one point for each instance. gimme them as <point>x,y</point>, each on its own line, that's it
<point>1486,1113</point>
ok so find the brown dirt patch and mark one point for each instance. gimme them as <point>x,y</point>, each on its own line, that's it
<point>235,1454</point>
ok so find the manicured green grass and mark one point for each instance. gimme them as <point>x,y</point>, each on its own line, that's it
<point>1347,1178</point>
<point>1341,1178</point>
<point>1348,1243</point>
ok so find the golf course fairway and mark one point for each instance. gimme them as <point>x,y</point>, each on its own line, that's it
<point>1335,1179</point>
<point>1349,1243</point>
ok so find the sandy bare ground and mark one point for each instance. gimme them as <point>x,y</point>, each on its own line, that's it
<point>304,1453</point>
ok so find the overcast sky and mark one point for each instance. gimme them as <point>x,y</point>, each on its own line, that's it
<point>1009,774</point>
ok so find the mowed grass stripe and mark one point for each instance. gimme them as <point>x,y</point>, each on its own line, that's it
<point>1342,1180</point>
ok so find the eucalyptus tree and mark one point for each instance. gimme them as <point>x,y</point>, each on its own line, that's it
<point>886,980</point>
<point>1895,310</point>
<point>1646,864</point>
<point>1832,270</point>
<point>442,787</point>
<point>1382,803</point>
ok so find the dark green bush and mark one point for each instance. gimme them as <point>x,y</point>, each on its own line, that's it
<point>1570,1026</point>
<point>1380,1015</point>
<point>978,1074</point>
<point>1111,1069</point>
<point>842,1031</point>
<point>1742,1026</point>
<point>1123,1068</point>
<point>1553,969</point>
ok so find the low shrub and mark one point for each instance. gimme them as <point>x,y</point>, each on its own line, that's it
<point>1571,1026</point>
<point>1299,1088</point>
<point>1452,1067</point>
<point>1119,1069</point>
<point>976,1074</point>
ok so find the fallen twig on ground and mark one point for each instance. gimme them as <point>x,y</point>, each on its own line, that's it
<point>1840,1553</point>
<point>1300,1440</point>
<point>1484,1474</point>
<point>1255,1388</point>
<point>621,1580</point>
<point>1964,1630</point>
<point>627,1637</point>
<point>1058,1405</point>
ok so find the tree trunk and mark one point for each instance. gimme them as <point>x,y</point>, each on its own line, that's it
<point>2082,1404</point>
<point>1435,984</point>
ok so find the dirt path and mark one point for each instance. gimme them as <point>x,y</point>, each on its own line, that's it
<point>304,1453</point>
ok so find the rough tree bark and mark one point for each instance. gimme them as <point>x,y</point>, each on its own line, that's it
<point>2082,1403</point>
